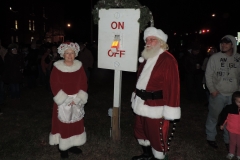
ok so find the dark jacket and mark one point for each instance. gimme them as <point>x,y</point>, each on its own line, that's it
<point>32,65</point>
<point>190,63</point>
<point>1,68</point>
<point>13,68</point>
<point>229,109</point>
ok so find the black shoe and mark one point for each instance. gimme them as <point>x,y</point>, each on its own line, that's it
<point>75,150</point>
<point>143,157</point>
<point>227,146</point>
<point>212,144</point>
<point>147,154</point>
<point>64,154</point>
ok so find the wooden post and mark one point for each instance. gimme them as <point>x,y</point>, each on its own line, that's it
<point>116,106</point>
<point>115,125</point>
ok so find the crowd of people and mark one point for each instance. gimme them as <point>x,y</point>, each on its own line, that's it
<point>64,69</point>
<point>29,66</point>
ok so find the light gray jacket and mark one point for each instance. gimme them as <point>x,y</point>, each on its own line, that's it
<point>223,71</point>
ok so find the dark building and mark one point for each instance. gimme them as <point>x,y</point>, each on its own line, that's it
<point>27,20</point>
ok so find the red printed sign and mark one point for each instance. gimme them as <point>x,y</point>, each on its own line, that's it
<point>120,53</point>
<point>117,25</point>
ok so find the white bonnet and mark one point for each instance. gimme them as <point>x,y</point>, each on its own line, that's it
<point>68,45</point>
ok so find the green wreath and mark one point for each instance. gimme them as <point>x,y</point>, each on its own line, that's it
<point>145,13</point>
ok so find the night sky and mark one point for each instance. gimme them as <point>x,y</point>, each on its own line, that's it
<point>172,16</point>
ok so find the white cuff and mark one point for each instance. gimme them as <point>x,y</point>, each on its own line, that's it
<point>60,97</point>
<point>83,96</point>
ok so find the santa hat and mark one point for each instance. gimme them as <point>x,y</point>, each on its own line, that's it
<point>152,31</point>
<point>68,45</point>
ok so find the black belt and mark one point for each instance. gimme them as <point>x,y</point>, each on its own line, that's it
<point>144,95</point>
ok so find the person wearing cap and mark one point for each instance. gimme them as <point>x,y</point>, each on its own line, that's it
<point>222,79</point>
<point>156,99</point>
<point>68,83</point>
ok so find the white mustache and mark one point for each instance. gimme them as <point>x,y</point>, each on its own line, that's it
<point>147,46</point>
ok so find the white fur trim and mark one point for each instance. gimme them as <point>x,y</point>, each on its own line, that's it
<point>146,111</point>
<point>166,112</point>
<point>141,59</point>
<point>67,143</point>
<point>144,142</point>
<point>83,96</point>
<point>60,65</point>
<point>147,71</point>
<point>60,97</point>
<point>171,113</point>
<point>157,154</point>
<point>133,96</point>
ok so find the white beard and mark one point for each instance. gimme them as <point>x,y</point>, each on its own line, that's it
<point>150,52</point>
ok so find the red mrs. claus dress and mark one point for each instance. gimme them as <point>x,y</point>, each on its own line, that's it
<point>68,83</point>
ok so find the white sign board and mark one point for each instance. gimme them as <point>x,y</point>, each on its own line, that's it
<point>118,37</point>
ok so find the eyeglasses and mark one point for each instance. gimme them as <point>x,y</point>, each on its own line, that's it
<point>150,40</point>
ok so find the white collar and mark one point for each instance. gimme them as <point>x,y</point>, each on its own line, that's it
<point>60,65</point>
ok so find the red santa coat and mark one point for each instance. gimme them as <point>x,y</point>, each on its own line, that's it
<point>152,120</point>
<point>65,81</point>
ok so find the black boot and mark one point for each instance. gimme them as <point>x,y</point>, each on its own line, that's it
<point>147,154</point>
<point>75,150</point>
<point>63,154</point>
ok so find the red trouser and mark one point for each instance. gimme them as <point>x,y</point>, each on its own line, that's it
<point>234,141</point>
<point>154,130</point>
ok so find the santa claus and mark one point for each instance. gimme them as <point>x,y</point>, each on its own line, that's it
<point>156,99</point>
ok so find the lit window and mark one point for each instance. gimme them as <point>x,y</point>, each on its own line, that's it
<point>32,38</point>
<point>30,25</point>
<point>16,24</point>
<point>33,26</point>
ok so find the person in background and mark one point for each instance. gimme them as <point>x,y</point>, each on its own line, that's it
<point>156,99</point>
<point>193,73</point>
<point>46,67</point>
<point>231,117</point>
<point>54,56</point>
<point>222,79</point>
<point>86,57</point>
<point>68,83</point>
<point>13,71</point>
<point>31,71</point>
<point>3,52</point>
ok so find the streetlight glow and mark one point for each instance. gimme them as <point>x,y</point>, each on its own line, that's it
<point>10,8</point>
<point>69,25</point>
